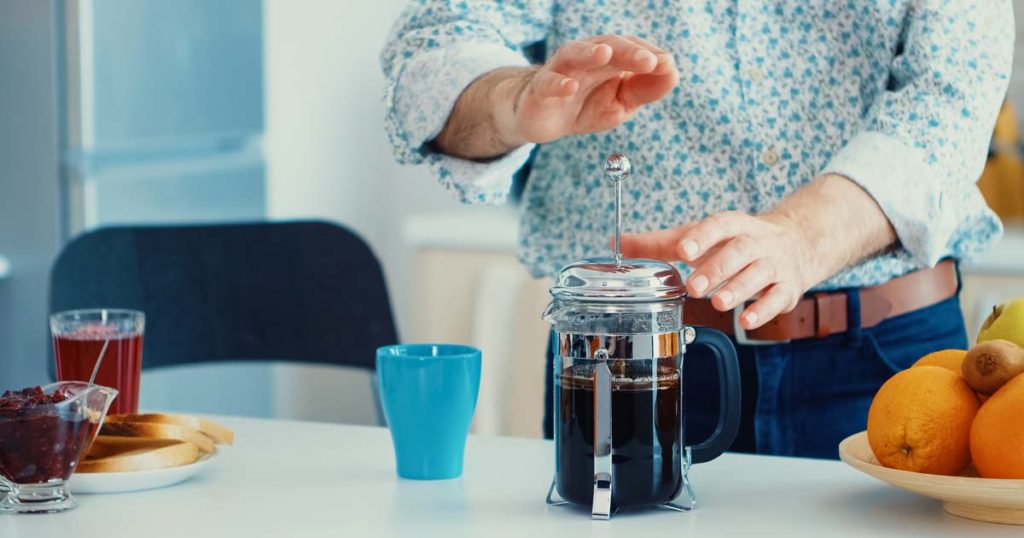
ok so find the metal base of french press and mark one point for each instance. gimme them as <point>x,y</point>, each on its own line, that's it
<point>550,500</point>
<point>691,499</point>
<point>603,514</point>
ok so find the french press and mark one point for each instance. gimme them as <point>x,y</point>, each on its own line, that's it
<point>618,381</point>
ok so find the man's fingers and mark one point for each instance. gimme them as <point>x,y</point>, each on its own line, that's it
<point>646,44</point>
<point>628,55</point>
<point>639,90</point>
<point>666,62</point>
<point>750,281</point>
<point>778,299</point>
<point>547,83</point>
<point>705,255</point>
<point>715,270</point>
<point>659,245</point>
<point>711,231</point>
<point>575,56</point>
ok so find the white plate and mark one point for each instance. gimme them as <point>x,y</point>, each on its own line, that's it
<point>86,483</point>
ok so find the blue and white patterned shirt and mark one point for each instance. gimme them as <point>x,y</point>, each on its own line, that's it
<point>900,96</point>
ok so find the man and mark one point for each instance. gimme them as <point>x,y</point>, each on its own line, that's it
<point>811,165</point>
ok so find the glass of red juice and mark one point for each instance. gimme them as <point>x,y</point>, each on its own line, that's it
<point>78,338</point>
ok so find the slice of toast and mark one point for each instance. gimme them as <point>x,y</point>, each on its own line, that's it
<point>121,454</point>
<point>107,445</point>
<point>219,434</point>
<point>158,431</point>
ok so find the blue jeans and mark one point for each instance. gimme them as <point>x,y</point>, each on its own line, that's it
<point>804,397</point>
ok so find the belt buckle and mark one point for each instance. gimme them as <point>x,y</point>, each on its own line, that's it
<point>740,334</point>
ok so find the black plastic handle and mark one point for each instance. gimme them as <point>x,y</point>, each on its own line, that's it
<point>730,392</point>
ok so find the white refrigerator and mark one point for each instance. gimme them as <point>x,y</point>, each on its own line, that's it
<point>163,111</point>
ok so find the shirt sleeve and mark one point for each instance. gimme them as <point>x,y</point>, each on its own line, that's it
<point>926,137</point>
<point>435,50</point>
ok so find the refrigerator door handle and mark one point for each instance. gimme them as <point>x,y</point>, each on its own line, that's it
<point>5,267</point>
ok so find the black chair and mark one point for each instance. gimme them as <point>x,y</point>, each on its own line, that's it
<point>309,292</point>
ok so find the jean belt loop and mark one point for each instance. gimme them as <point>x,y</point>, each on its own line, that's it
<point>853,328</point>
<point>959,278</point>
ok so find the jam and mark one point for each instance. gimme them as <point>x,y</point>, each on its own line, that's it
<point>42,435</point>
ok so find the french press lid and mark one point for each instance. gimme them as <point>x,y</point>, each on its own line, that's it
<point>602,280</point>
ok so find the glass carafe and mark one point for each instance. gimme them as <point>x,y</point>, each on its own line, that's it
<point>619,414</point>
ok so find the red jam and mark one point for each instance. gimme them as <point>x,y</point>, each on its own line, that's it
<point>39,441</point>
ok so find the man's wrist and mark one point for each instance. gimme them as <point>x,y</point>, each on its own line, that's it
<point>507,92</point>
<point>805,244</point>
<point>834,224</point>
<point>482,126</point>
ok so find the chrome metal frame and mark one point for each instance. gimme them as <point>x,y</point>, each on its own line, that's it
<point>691,499</point>
<point>620,347</point>
<point>601,507</point>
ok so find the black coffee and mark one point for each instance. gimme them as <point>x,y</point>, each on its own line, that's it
<point>645,437</point>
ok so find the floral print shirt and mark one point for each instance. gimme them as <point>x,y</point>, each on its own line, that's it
<point>900,96</point>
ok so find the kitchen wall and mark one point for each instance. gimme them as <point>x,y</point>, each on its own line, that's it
<point>328,158</point>
<point>326,147</point>
<point>1016,93</point>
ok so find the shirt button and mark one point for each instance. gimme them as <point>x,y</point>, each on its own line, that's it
<point>755,74</point>
<point>770,156</point>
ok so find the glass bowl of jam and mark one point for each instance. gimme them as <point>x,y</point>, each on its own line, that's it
<point>44,432</point>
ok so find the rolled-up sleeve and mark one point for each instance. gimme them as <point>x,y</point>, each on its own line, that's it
<point>925,138</point>
<point>438,48</point>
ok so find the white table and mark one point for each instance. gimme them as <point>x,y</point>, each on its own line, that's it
<point>293,479</point>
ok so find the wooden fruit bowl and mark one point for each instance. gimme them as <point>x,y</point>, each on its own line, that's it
<point>984,499</point>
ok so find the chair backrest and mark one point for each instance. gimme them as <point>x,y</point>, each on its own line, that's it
<point>293,291</point>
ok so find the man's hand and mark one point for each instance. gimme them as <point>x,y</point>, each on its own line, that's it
<point>591,86</point>
<point>586,86</point>
<point>764,256</point>
<point>775,257</point>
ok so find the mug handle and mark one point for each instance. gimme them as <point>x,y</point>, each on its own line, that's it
<point>730,392</point>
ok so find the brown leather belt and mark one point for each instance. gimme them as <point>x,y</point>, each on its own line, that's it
<point>820,314</point>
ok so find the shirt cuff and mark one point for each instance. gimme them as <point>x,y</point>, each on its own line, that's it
<point>907,189</point>
<point>424,92</point>
<point>421,98</point>
<point>479,183</point>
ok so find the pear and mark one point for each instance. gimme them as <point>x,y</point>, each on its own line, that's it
<point>1006,322</point>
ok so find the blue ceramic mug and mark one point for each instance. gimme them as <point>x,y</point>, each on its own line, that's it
<point>428,392</point>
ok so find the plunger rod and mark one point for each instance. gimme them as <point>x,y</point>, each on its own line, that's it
<point>618,223</point>
<point>617,168</point>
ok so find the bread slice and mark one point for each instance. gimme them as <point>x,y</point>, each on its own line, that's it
<point>107,445</point>
<point>158,431</point>
<point>219,434</point>
<point>123,454</point>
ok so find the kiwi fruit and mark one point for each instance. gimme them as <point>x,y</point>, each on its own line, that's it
<point>989,365</point>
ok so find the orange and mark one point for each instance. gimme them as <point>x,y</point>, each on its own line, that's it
<point>997,436</point>
<point>920,420</point>
<point>950,359</point>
